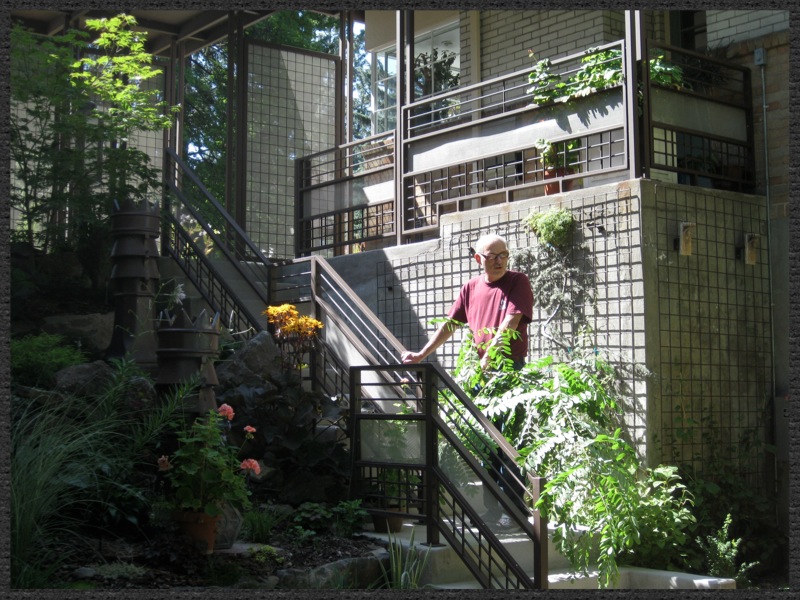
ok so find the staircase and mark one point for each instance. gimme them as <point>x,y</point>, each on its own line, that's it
<point>359,361</point>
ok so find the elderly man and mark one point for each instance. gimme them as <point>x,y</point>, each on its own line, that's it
<point>495,301</point>
<point>491,303</point>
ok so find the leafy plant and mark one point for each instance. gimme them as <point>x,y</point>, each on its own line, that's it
<point>258,525</point>
<point>35,359</point>
<point>406,566</point>
<point>313,516</point>
<point>205,472</point>
<point>721,551</point>
<point>718,488</point>
<point>554,226</point>
<point>266,554</point>
<point>348,517</point>
<point>77,463</point>
<point>599,70</point>
<point>71,126</point>
<point>304,465</point>
<point>605,507</point>
<point>558,155</point>
<point>545,85</point>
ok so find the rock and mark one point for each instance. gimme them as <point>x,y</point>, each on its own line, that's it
<point>348,573</point>
<point>140,393</point>
<point>88,379</point>
<point>254,362</point>
<point>93,331</point>
<point>84,573</point>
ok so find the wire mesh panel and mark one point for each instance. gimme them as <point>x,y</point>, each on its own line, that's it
<point>714,328</point>
<point>291,112</point>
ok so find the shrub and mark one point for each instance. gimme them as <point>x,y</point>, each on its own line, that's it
<point>563,418</point>
<point>552,227</point>
<point>35,359</point>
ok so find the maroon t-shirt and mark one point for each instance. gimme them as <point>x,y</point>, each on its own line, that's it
<point>481,305</point>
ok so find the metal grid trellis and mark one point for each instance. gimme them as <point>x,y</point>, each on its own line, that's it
<point>714,326</point>
<point>291,108</point>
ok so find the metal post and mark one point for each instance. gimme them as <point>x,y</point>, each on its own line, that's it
<point>633,137</point>
<point>540,558</point>
<point>400,127</point>
<point>431,460</point>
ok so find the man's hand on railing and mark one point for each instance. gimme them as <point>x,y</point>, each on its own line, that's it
<point>409,357</point>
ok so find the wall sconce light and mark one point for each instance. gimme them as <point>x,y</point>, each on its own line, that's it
<point>749,251</point>
<point>683,243</point>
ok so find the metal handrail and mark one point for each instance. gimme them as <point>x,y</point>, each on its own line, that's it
<point>231,243</point>
<point>433,403</point>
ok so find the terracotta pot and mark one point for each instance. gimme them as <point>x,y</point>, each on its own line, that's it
<point>554,188</point>
<point>384,524</point>
<point>198,526</point>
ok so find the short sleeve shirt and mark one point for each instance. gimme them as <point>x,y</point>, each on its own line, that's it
<point>484,305</point>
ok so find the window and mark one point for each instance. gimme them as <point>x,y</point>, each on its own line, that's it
<point>437,65</point>
<point>688,29</point>
<point>384,90</point>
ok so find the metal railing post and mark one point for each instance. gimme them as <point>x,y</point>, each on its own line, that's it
<point>431,459</point>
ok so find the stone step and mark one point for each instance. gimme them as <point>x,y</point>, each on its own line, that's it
<point>445,570</point>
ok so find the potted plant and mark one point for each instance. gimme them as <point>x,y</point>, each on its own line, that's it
<point>558,159</point>
<point>205,474</point>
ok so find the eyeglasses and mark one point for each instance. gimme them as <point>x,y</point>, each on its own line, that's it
<point>501,256</point>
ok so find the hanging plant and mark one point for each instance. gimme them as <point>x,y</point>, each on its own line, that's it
<point>553,227</point>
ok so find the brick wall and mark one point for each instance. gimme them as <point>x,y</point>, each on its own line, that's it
<point>507,35</point>
<point>728,26</point>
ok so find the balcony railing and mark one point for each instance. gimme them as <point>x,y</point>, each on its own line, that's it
<point>478,146</point>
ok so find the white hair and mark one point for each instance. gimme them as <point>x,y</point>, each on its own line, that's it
<point>487,239</point>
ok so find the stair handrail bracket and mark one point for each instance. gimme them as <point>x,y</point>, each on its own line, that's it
<point>396,452</point>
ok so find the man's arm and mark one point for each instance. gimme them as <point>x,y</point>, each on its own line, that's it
<point>440,337</point>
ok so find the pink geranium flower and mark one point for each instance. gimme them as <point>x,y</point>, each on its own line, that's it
<point>226,411</point>
<point>251,464</point>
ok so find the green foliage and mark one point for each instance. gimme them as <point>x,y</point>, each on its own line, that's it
<point>71,127</point>
<point>605,508</point>
<point>343,519</point>
<point>719,488</point>
<point>406,566</point>
<point>266,554</point>
<point>348,518</point>
<point>304,29</point>
<point>205,472</point>
<point>259,524</point>
<point>545,85</point>
<point>313,516</point>
<point>720,552</point>
<point>599,70</point>
<point>76,462</point>
<point>35,359</point>
<point>559,155</point>
<point>304,466</point>
<point>553,226</point>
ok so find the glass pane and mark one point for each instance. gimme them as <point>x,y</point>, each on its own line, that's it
<point>401,441</point>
